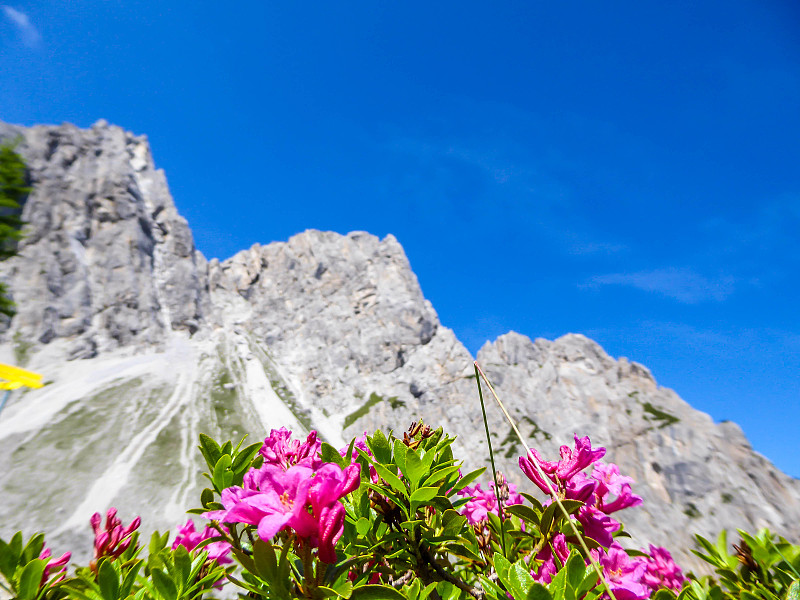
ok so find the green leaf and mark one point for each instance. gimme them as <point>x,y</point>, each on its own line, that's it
<point>380,447</point>
<point>502,567</point>
<point>8,560</point>
<point>466,480</point>
<point>453,522</point>
<point>423,494</point>
<point>343,587</point>
<point>440,474</point>
<point>244,458</point>
<point>533,500</point>
<point>206,497</point>
<point>426,591</point>
<point>33,548</point>
<point>220,469</point>
<point>538,592</point>
<point>462,551</point>
<point>330,454</point>
<point>400,451</point>
<point>30,578</point>
<point>415,468</point>
<point>558,587</point>
<point>326,592</point>
<point>164,585</point>
<point>447,591</point>
<point>130,578</point>
<point>520,579</point>
<point>576,570</point>
<point>392,479</point>
<point>376,592</point>
<point>526,513</point>
<point>183,565</point>
<point>663,594</point>
<point>363,526</point>
<point>108,580</point>
<point>552,513</point>
<point>210,450</point>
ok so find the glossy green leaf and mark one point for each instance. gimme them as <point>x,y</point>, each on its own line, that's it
<point>415,468</point>
<point>376,592</point>
<point>331,455</point>
<point>538,592</point>
<point>363,526</point>
<point>8,560</point>
<point>423,494</point>
<point>391,479</point>
<point>210,450</point>
<point>164,585</point>
<point>440,474</point>
<point>400,451</point>
<point>108,580</point>
<point>520,579</point>
<point>343,587</point>
<point>466,480</point>
<point>242,461</point>
<point>380,447</point>
<point>183,565</point>
<point>30,578</point>
<point>526,513</point>
<point>219,471</point>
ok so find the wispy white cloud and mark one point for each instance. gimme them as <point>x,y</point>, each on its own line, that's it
<point>683,285</point>
<point>27,32</point>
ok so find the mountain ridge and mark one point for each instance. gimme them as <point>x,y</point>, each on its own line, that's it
<point>147,343</point>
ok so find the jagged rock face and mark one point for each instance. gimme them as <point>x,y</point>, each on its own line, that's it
<point>145,345</point>
<point>107,260</point>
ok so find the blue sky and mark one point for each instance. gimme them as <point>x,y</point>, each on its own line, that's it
<point>621,169</point>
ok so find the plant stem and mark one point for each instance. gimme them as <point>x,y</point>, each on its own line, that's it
<point>491,459</point>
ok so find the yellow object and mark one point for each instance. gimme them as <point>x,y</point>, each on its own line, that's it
<point>12,378</point>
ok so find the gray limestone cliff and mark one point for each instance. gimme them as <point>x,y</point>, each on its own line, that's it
<point>144,344</point>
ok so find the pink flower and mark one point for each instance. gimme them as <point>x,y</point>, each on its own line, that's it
<point>610,482</point>
<point>483,502</point>
<point>113,539</point>
<point>623,573</point>
<point>280,449</point>
<point>661,570</point>
<point>625,499</point>
<point>597,525</point>
<point>572,462</point>
<point>556,548</point>
<point>54,567</point>
<point>580,487</point>
<point>189,539</point>
<point>548,467</point>
<point>300,498</point>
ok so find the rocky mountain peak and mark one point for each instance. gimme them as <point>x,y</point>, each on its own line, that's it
<point>145,345</point>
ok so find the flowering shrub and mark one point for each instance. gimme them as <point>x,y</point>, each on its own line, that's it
<point>394,518</point>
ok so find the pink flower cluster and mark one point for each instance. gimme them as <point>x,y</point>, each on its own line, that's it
<point>661,570</point>
<point>113,539</point>
<point>565,477</point>
<point>281,450</point>
<point>53,567</point>
<point>483,502</point>
<point>295,490</point>
<point>189,538</point>
<point>605,491</point>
